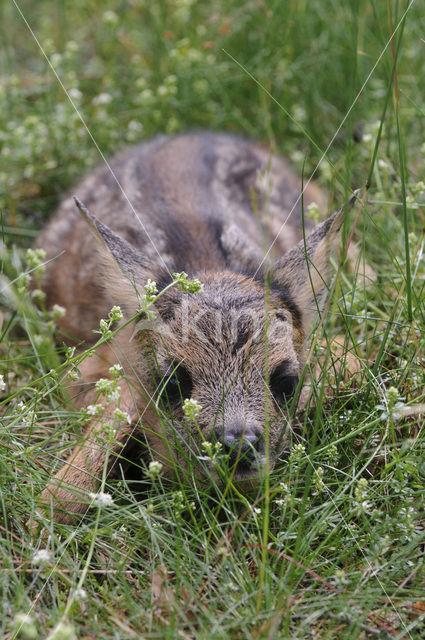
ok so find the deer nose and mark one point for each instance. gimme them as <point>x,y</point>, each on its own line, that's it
<point>243,444</point>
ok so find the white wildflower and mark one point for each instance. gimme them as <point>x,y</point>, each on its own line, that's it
<point>313,211</point>
<point>104,328</point>
<point>35,257</point>
<point>80,594</point>
<point>213,451</point>
<point>392,394</point>
<point>186,285</point>
<point>104,386</point>
<point>29,419</point>
<point>115,371</point>
<point>135,128</point>
<point>339,578</point>
<point>382,164</point>
<point>94,409</point>
<point>25,626</point>
<point>191,408</point>
<point>41,557</point>
<point>151,290</point>
<point>393,407</point>
<point>114,396</point>
<point>2,382</point>
<point>286,498</point>
<point>110,17</point>
<point>155,469</point>
<point>115,314</point>
<point>318,479</point>
<point>62,631</point>
<point>223,550</point>
<point>38,295</point>
<point>58,312</point>
<point>101,499</point>
<point>297,453</point>
<point>109,389</point>
<point>75,94</point>
<point>122,416</point>
<point>102,98</point>
<point>361,505</point>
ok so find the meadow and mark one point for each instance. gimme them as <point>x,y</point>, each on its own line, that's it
<point>331,545</point>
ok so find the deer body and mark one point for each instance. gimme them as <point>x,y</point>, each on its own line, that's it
<point>210,205</point>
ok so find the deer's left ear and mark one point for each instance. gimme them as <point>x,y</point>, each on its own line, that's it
<point>125,270</point>
<point>305,271</point>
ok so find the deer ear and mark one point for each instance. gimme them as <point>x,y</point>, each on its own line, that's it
<point>305,271</point>
<point>125,271</point>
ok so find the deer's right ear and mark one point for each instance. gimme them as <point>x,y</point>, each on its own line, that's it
<point>125,270</point>
<point>305,270</point>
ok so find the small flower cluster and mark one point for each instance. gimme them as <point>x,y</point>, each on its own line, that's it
<point>297,454</point>
<point>134,130</point>
<point>62,631</point>
<point>115,315</point>
<point>34,261</point>
<point>318,480</point>
<point>116,371</point>
<point>179,504</point>
<point>23,282</point>
<point>186,285</point>
<point>191,408</point>
<point>25,626</point>
<point>58,312</point>
<point>339,578</point>
<point>392,409</point>
<point>34,258</point>
<point>41,557</point>
<point>93,410</point>
<point>122,416</point>
<point>151,294</point>
<point>213,451</point>
<point>151,291</point>
<point>101,499</point>
<point>109,389</point>
<point>286,499</point>
<point>406,521</point>
<point>2,382</point>
<point>154,470</point>
<point>256,511</point>
<point>79,594</point>
<point>313,212</point>
<point>361,505</point>
<point>331,454</point>
<point>28,416</point>
<point>109,17</point>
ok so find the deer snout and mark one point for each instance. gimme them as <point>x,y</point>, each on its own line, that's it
<point>242,443</point>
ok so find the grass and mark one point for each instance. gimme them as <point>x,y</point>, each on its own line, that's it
<point>332,546</point>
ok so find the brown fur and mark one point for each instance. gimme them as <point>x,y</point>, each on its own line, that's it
<point>210,205</point>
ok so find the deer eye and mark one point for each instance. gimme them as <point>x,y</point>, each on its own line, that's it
<point>178,385</point>
<point>283,383</point>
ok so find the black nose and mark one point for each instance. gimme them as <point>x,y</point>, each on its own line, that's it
<point>242,444</point>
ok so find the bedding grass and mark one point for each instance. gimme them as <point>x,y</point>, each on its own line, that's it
<point>331,546</point>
